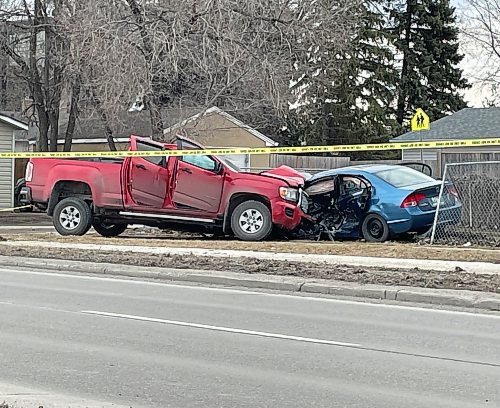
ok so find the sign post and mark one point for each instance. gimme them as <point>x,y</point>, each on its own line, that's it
<point>420,121</point>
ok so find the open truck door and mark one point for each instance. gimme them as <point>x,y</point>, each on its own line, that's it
<point>147,177</point>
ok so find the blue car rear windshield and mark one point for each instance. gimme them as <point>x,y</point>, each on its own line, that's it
<point>403,177</point>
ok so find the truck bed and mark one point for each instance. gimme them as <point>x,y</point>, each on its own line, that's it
<point>103,174</point>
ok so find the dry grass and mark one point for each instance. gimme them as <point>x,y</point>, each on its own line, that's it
<point>356,248</point>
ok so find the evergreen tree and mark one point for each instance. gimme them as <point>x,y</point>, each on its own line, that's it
<point>356,103</point>
<point>426,36</point>
<point>361,108</point>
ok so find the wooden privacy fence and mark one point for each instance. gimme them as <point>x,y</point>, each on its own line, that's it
<point>488,170</point>
<point>308,162</point>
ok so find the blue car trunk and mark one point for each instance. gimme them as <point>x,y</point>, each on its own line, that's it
<point>430,193</point>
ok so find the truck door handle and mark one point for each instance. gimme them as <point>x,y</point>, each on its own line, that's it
<point>186,170</point>
<point>140,166</point>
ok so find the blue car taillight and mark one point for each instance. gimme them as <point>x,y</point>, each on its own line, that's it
<point>413,200</point>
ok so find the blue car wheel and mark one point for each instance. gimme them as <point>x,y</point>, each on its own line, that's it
<point>375,228</point>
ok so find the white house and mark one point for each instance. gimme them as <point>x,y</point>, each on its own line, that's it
<point>8,127</point>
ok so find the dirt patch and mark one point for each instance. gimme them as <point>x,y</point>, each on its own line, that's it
<point>25,219</point>
<point>416,278</point>
<point>354,248</point>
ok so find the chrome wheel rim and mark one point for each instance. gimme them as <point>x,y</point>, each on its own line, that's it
<point>70,218</point>
<point>251,221</point>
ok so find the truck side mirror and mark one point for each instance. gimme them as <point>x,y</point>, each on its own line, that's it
<point>219,167</point>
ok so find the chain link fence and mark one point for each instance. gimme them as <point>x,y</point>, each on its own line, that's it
<point>475,218</point>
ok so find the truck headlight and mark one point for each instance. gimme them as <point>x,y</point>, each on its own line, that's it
<point>289,194</point>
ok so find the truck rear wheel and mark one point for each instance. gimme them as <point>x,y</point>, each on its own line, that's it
<point>109,230</point>
<point>72,216</point>
<point>251,221</point>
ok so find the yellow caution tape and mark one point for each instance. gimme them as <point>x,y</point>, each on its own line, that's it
<point>259,150</point>
<point>14,208</point>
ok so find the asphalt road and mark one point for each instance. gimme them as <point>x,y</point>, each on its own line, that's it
<point>145,344</point>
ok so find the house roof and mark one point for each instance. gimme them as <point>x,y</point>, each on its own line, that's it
<point>468,123</point>
<point>267,140</point>
<point>15,123</point>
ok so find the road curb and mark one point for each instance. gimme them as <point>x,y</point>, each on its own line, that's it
<point>444,297</point>
<point>338,289</point>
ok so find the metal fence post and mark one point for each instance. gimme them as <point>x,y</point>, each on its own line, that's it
<point>470,205</point>
<point>436,215</point>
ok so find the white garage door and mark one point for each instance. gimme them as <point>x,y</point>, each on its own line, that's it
<point>6,167</point>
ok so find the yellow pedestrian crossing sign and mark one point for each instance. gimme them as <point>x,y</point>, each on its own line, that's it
<point>420,121</point>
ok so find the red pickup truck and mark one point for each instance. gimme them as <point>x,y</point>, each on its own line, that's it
<point>193,193</point>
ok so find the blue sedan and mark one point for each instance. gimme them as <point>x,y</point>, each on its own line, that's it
<point>377,202</point>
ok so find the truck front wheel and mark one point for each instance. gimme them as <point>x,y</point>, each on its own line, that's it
<point>109,230</point>
<point>72,216</point>
<point>251,221</point>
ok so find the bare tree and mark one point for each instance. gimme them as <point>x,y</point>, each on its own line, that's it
<point>33,39</point>
<point>481,28</point>
<point>103,55</point>
<point>240,55</point>
<point>104,64</point>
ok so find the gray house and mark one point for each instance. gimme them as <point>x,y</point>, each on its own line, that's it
<point>468,123</point>
<point>8,128</point>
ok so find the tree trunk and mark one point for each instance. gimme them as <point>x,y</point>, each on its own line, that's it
<point>109,132</point>
<point>150,101</point>
<point>73,115</point>
<point>3,71</point>
<point>54,130</point>
<point>104,119</point>
<point>43,130</point>
<point>155,116</point>
<point>38,95</point>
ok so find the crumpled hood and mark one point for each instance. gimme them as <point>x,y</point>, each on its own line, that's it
<point>285,173</point>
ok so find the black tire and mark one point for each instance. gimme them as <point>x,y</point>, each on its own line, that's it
<point>375,228</point>
<point>258,225</point>
<point>17,204</point>
<point>72,216</point>
<point>109,230</point>
<point>87,229</point>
